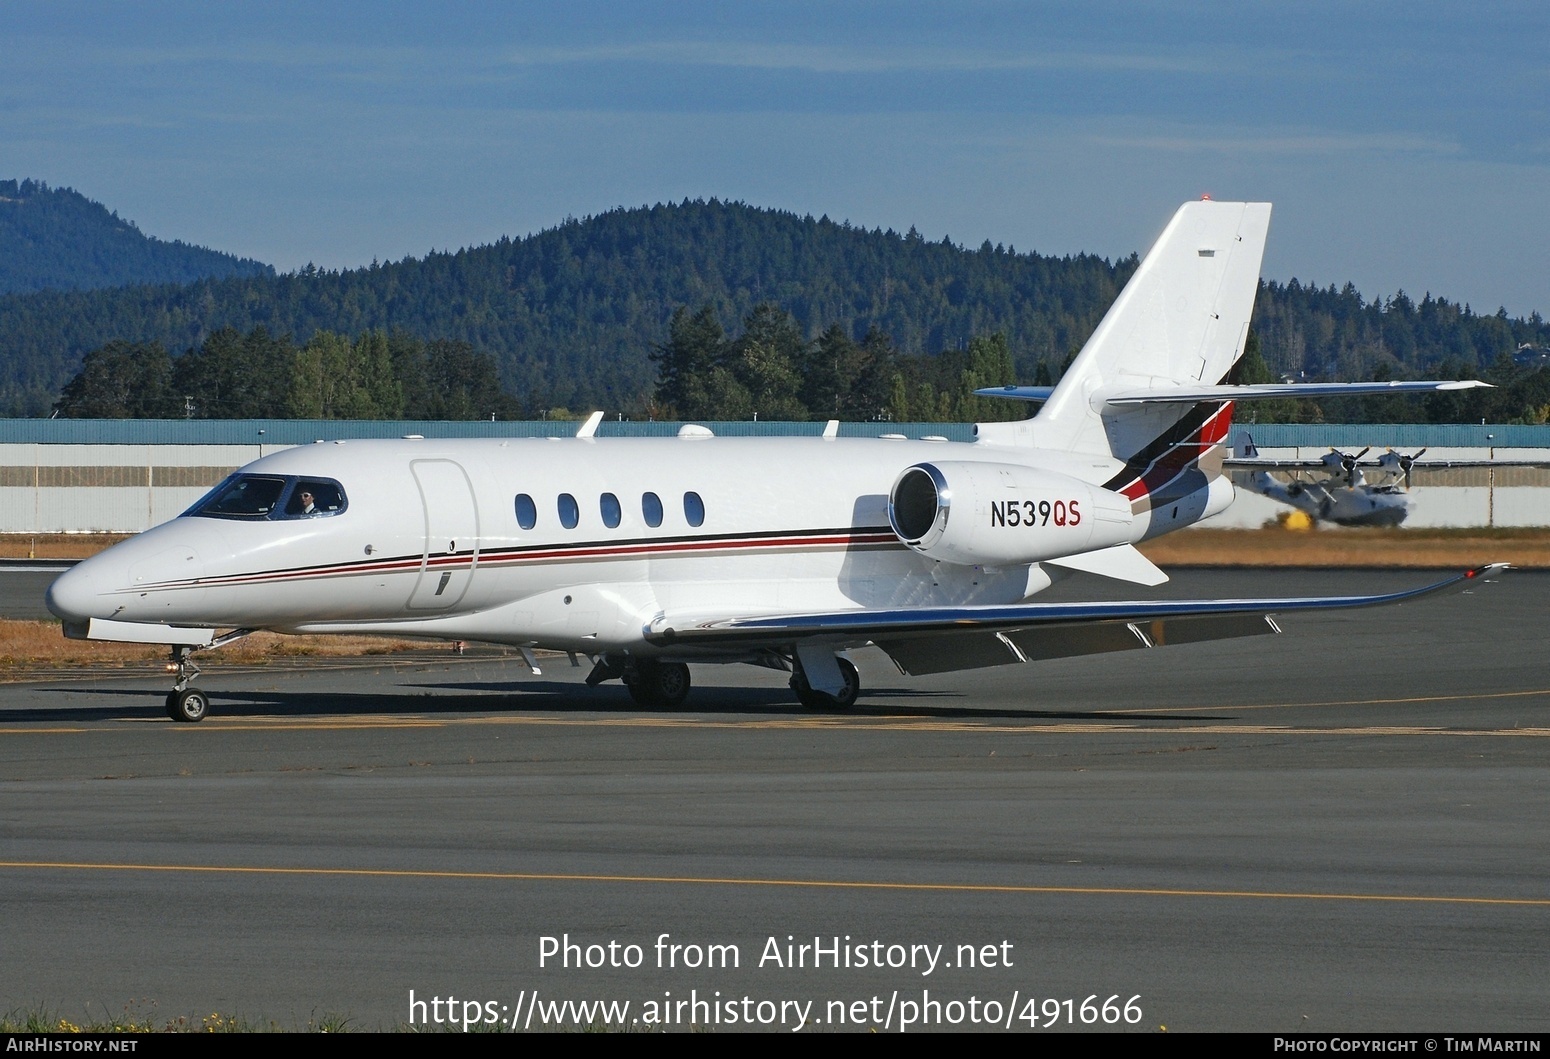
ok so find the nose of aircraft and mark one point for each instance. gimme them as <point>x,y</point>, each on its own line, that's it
<point>146,578</point>
<point>80,592</point>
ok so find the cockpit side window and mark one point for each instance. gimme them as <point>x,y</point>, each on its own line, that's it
<point>314,498</point>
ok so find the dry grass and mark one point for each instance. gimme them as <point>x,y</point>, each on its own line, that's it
<point>1201,547</point>
<point>56,545</point>
<point>1461,548</point>
<point>41,643</point>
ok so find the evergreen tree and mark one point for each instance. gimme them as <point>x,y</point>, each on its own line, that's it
<point>695,346</point>
<point>122,380</point>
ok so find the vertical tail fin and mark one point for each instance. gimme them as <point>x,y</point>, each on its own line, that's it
<point>1181,320</point>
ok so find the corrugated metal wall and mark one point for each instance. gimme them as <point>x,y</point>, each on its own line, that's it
<point>126,475</point>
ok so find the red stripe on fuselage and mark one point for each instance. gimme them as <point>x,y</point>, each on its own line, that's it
<point>543,554</point>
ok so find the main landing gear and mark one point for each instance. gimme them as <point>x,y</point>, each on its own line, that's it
<point>657,685</point>
<point>820,700</point>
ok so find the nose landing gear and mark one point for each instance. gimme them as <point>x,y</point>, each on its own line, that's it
<point>189,704</point>
<point>183,702</point>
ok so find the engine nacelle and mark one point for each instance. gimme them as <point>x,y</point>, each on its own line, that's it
<point>998,514</point>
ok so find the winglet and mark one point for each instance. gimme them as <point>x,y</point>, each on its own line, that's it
<point>589,428</point>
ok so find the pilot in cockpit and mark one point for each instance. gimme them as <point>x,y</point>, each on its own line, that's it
<point>312,499</point>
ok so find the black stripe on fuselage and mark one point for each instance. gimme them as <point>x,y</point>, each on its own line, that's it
<point>632,548</point>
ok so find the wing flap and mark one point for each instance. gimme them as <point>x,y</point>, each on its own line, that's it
<point>1200,630</point>
<point>949,653</point>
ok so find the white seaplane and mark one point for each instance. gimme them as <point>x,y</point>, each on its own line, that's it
<point>1338,488</point>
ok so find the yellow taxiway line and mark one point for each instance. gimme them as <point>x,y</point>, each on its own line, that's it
<point>818,884</point>
<point>905,723</point>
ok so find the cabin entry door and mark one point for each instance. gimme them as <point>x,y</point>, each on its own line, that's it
<point>451,534</point>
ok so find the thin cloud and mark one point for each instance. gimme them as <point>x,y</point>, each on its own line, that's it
<point>828,59</point>
<point>1306,144</point>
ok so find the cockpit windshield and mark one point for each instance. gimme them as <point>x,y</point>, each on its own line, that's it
<point>263,496</point>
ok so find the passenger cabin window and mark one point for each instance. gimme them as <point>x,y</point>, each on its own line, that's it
<point>527,511</point>
<point>570,513</point>
<point>651,509</point>
<point>263,496</point>
<point>694,509</point>
<point>608,504</point>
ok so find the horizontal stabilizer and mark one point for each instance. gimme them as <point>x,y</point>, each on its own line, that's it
<point>1017,393</point>
<point>1122,563</point>
<point>1273,391</point>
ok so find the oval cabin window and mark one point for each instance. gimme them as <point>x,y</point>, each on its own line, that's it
<point>527,511</point>
<point>694,509</point>
<point>651,509</point>
<point>608,504</point>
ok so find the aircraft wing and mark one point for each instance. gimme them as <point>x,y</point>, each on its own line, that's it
<point>1262,463</point>
<point>941,639</point>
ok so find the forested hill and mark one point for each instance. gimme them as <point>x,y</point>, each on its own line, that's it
<point>571,315</point>
<point>56,238</point>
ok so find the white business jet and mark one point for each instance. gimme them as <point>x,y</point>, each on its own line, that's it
<point>649,554</point>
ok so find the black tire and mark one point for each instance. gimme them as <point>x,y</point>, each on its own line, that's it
<point>852,691</point>
<point>659,685</point>
<point>188,706</point>
<point>820,700</point>
<point>673,683</point>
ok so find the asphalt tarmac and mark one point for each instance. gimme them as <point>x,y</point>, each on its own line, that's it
<point>1341,828</point>
<point>22,585</point>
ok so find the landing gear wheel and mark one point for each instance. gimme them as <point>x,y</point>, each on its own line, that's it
<point>189,705</point>
<point>819,700</point>
<point>658,685</point>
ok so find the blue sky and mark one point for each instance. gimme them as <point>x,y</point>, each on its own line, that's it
<point>1404,145</point>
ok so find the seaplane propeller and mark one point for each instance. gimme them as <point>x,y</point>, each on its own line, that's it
<point>1398,465</point>
<point>1345,464</point>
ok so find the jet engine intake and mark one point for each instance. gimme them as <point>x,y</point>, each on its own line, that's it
<point>996,514</point>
